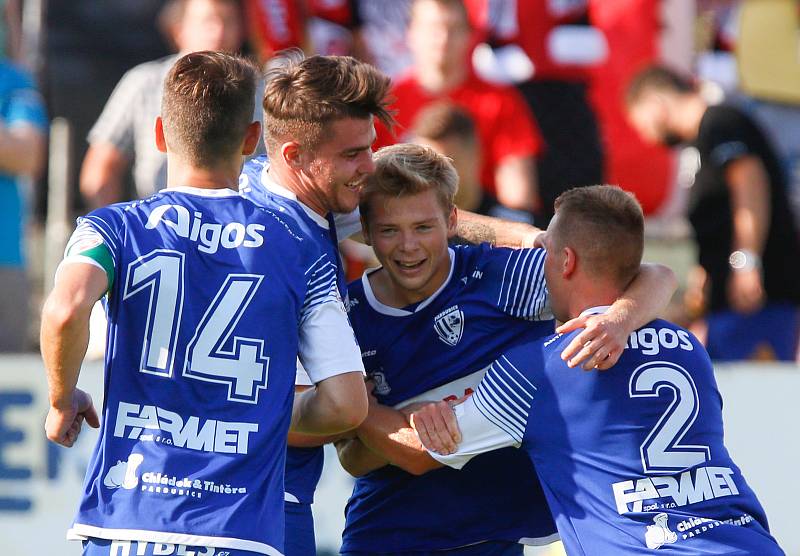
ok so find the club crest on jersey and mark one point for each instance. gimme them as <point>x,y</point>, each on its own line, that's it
<point>449,325</point>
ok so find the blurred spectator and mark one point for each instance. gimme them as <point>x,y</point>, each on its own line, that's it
<point>748,244</point>
<point>450,131</point>
<point>441,41</point>
<point>315,26</point>
<point>23,128</point>
<point>561,48</point>
<point>124,132</point>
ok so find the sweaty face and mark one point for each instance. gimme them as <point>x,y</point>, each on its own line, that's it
<point>409,235</point>
<point>209,25</point>
<point>341,162</point>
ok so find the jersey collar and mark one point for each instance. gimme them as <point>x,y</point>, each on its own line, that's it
<point>278,189</point>
<point>394,311</point>
<point>599,310</point>
<point>203,192</point>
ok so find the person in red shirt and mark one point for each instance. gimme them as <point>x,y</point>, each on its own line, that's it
<point>441,40</point>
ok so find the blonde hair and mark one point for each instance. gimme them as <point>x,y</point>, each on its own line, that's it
<point>407,169</point>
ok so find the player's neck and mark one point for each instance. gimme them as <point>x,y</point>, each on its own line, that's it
<point>591,293</point>
<point>290,180</point>
<point>221,176</point>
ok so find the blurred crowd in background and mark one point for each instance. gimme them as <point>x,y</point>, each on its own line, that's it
<point>528,97</point>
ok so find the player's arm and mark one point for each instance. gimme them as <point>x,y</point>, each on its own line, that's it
<point>387,436</point>
<point>335,405</point>
<point>602,341</point>
<point>329,354</point>
<point>356,458</point>
<point>300,440</point>
<point>483,427</point>
<point>64,339</point>
<point>477,228</point>
<point>748,183</point>
<point>102,174</point>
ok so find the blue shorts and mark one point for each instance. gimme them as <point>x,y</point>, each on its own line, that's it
<point>299,530</point>
<point>103,547</point>
<point>771,333</point>
<point>490,548</point>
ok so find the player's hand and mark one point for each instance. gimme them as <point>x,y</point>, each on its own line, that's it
<point>63,425</point>
<point>746,290</point>
<point>598,346</point>
<point>437,427</point>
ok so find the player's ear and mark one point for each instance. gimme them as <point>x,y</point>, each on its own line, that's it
<point>570,262</point>
<point>452,223</point>
<point>251,137</point>
<point>161,143</point>
<point>291,154</point>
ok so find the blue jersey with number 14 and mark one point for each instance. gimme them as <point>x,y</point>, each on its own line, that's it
<point>207,313</point>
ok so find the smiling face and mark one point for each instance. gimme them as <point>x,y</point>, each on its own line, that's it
<point>337,167</point>
<point>409,235</point>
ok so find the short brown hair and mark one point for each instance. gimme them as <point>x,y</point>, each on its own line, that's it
<point>302,96</point>
<point>207,105</point>
<point>407,169</point>
<point>656,78</point>
<point>443,120</point>
<point>605,225</point>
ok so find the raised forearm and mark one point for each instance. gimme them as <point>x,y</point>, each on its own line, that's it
<point>476,228</point>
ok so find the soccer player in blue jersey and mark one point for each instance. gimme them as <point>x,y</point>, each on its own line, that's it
<point>632,459</point>
<point>319,117</point>
<point>210,299</point>
<point>428,322</point>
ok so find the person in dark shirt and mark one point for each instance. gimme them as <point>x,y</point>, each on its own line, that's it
<point>747,239</point>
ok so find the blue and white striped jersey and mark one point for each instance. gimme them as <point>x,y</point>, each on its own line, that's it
<point>212,300</point>
<point>303,465</point>
<point>631,459</point>
<point>493,299</point>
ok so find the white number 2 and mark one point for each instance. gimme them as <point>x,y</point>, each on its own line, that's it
<point>661,451</point>
<point>243,367</point>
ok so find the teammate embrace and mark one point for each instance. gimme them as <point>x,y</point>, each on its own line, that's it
<point>212,294</point>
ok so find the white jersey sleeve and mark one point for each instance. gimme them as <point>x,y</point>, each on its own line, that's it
<point>347,224</point>
<point>494,417</point>
<point>327,345</point>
